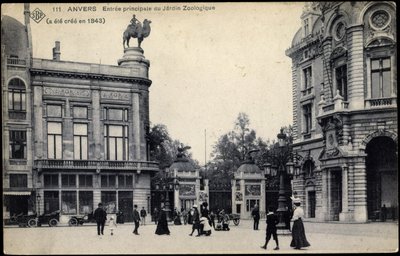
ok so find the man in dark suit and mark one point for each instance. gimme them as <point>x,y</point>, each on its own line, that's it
<point>272,221</point>
<point>136,219</point>
<point>256,216</point>
<point>100,215</point>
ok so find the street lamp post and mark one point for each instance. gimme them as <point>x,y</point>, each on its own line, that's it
<point>38,204</point>
<point>166,183</point>
<point>282,165</point>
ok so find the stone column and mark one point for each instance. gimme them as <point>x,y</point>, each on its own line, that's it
<point>136,126</point>
<point>233,186</point>
<point>343,216</point>
<point>322,215</point>
<point>197,189</point>
<point>360,191</point>
<point>263,199</point>
<point>97,151</point>
<point>355,66</point>
<point>38,122</point>
<point>177,201</point>
<point>327,74</point>
<point>68,133</point>
<point>243,206</point>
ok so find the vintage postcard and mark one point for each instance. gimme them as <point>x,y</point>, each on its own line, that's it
<point>199,128</point>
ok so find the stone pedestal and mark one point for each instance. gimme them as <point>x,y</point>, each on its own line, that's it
<point>133,58</point>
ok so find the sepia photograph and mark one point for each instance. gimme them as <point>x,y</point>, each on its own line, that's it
<point>199,128</point>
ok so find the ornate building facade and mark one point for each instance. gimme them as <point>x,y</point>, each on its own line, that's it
<point>74,134</point>
<point>344,73</point>
<point>248,189</point>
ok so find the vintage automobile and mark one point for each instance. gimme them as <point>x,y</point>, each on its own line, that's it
<point>52,219</point>
<point>22,219</point>
<point>32,220</point>
<point>79,219</point>
<point>88,218</point>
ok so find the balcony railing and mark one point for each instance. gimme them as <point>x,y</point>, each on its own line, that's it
<point>16,62</point>
<point>19,115</point>
<point>382,102</point>
<point>94,164</point>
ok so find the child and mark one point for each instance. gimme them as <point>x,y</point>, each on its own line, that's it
<point>112,225</point>
<point>272,220</point>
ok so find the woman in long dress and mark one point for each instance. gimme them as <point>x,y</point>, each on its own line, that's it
<point>162,225</point>
<point>299,239</point>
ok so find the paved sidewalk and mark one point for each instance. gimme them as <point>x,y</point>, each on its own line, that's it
<point>323,237</point>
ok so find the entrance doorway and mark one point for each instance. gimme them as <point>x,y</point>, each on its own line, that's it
<point>125,204</point>
<point>336,194</point>
<point>311,204</point>
<point>382,177</point>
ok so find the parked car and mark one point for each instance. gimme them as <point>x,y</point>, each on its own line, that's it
<point>80,219</point>
<point>52,219</point>
<point>24,220</point>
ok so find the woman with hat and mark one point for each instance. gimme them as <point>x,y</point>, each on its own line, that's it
<point>299,239</point>
<point>196,221</point>
<point>162,225</point>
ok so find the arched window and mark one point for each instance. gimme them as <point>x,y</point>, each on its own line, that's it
<point>308,168</point>
<point>16,95</point>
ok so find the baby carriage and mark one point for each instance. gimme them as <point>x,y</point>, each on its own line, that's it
<point>205,226</point>
<point>223,222</point>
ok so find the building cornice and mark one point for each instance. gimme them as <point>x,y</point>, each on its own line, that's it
<point>307,142</point>
<point>94,76</point>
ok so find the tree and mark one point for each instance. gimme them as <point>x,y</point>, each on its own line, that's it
<point>231,149</point>
<point>163,148</point>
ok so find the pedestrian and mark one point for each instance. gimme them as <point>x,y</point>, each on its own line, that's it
<point>100,215</point>
<point>184,215</point>
<point>256,216</point>
<point>204,213</point>
<point>196,221</point>
<point>136,219</point>
<point>112,225</point>
<point>162,225</point>
<point>272,220</point>
<point>177,217</point>
<point>155,215</point>
<point>212,219</point>
<point>287,215</point>
<point>383,213</point>
<point>190,216</point>
<point>299,239</point>
<point>143,215</point>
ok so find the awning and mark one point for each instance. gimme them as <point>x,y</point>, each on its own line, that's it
<point>17,193</point>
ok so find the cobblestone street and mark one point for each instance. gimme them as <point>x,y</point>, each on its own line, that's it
<point>323,237</point>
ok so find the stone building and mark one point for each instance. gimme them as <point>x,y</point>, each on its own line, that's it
<point>191,188</point>
<point>248,189</point>
<point>81,128</point>
<point>344,77</point>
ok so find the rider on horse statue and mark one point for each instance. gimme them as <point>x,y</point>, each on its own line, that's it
<point>135,23</point>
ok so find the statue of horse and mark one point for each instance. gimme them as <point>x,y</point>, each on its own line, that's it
<point>138,31</point>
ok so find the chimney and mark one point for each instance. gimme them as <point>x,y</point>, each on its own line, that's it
<point>56,51</point>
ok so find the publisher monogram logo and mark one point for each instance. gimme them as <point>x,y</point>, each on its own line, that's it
<point>37,15</point>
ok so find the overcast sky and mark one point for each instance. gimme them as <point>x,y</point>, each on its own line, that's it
<point>206,66</point>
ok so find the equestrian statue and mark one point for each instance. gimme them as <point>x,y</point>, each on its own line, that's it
<point>136,30</point>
